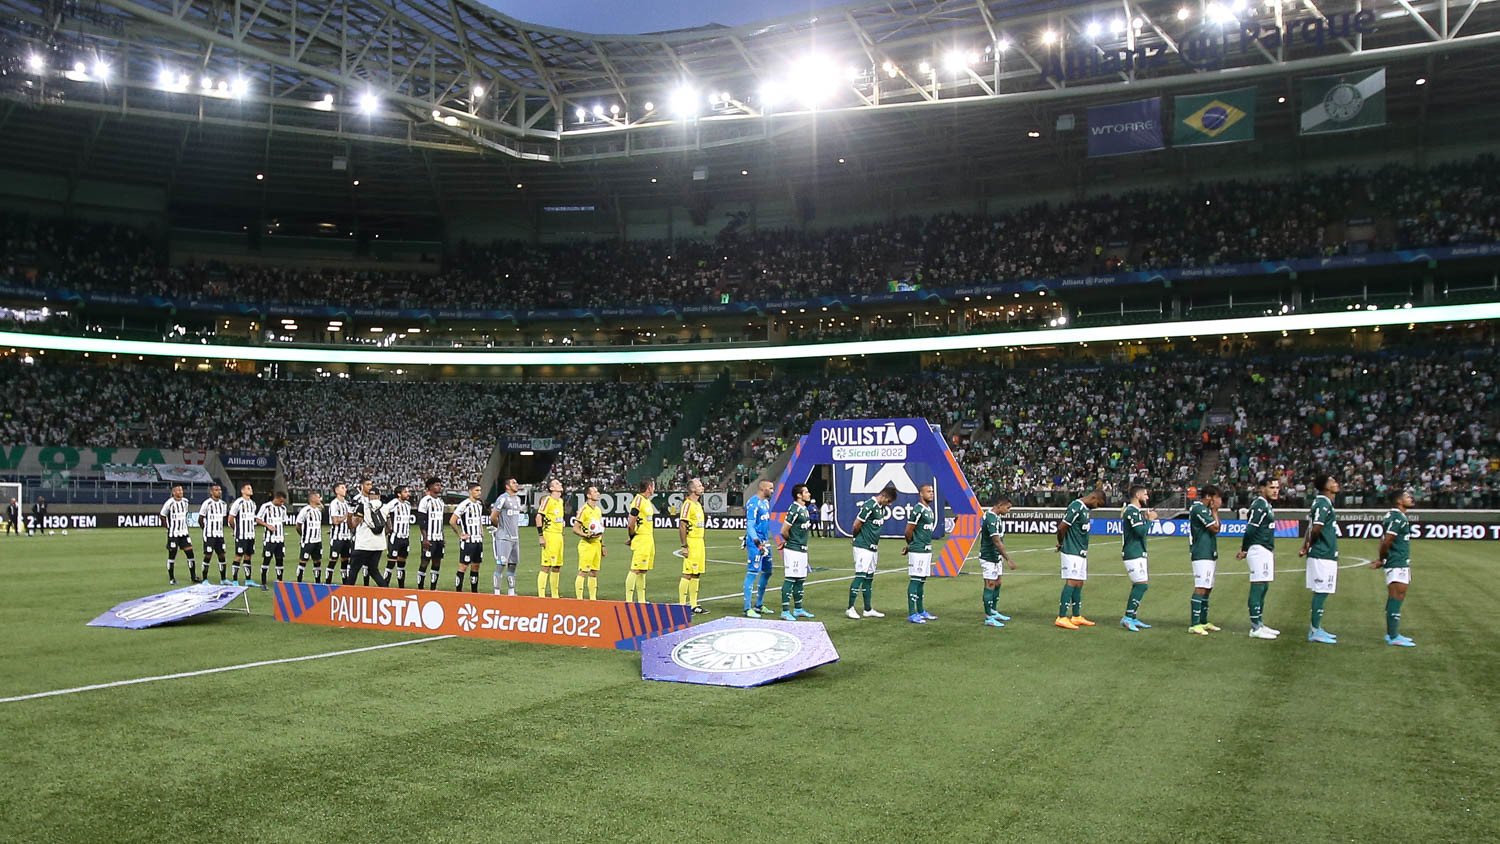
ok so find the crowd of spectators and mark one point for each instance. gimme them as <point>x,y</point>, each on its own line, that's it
<point>1310,215</point>
<point>330,430</point>
<point>1425,422</point>
<point>1402,418</point>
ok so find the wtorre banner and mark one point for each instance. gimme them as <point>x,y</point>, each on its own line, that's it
<point>549,621</point>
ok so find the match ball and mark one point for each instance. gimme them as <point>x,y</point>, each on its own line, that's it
<point>65,532</point>
<point>596,528</point>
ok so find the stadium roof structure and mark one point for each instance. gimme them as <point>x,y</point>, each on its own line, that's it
<point>166,90</point>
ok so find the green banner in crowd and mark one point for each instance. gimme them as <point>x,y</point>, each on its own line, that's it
<point>1225,117</point>
<point>1343,103</point>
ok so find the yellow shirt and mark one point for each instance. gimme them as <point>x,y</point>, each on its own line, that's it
<point>587,516</point>
<point>645,511</point>
<point>692,513</point>
<point>552,516</point>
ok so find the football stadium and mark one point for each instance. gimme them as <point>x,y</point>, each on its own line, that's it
<point>952,420</point>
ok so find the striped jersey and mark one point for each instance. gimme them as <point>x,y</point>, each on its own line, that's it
<point>310,525</point>
<point>211,517</point>
<point>174,514</point>
<point>432,508</point>
<point>243,512</point>
<point>398,516</point>
<point>471,517</point>
<point>338,509</point>
<point>274,515</point>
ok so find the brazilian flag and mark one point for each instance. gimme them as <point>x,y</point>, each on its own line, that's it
<point>1226,117</point>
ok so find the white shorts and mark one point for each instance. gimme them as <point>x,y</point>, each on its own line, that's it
<point>1399,574</point>
<point>794,563</point>
<point>1136,569</point>
<point>919,565</point>
<point>1322,575</point>
<point>1262,564</point>
<point>865,560</point>
<point>1075,568</point>
<point>992,571</point>
<point>1203,573</point>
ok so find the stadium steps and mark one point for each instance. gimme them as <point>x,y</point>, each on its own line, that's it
<point>1208,461</point>
<point>667,454</point>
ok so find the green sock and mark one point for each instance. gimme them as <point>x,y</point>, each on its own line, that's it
<point>913,596</point>
<point>1065,602</point>
<point>990,598</point>
<point>1132,606</point>
<point>854,589</point>
<point>1205,610</point>
<point>1257,602</point>
<point>1197,610</point>
<point>1319,598</point>
<point>797,601</point>
<point>869,591</point>
<point>1077,603</point>
<point>786,594</point>
<point>1393,617</point>
<point>922,595</point>
<point>995,602</point>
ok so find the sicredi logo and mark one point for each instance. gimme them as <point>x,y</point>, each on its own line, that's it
<point>407,611</point>
<point>468,617</point>
<point>737,649</point>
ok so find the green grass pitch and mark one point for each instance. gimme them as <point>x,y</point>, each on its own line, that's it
<point>948,732</point>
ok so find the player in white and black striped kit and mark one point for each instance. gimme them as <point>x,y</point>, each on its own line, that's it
<point>398,519</point>
<point>273,518</point>
<point>310,527</point>
<point>431,509</point>
<point>341,538</point>
<point>242,521</point>
<point>174,516</point>
<point>470,519</point>
<point>211,515</point>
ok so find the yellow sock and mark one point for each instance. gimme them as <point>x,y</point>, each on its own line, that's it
<point>630,585</point>
<point>541,583</point>
<point>682,590</point>
<point>640,585</point>
<point>578,587</point>
<point>594,588</point>
<point>554,580</point>
<point>693,590</point>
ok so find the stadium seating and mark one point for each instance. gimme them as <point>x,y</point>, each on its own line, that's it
<point>1230,222</point>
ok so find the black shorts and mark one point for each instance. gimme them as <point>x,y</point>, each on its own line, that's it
<point>400,547</point>
<point>312,551</point>
<point>341,548</point>
<point>213,543</point>
<point>244,547</point>
<point>274,549</point>
<point>470,553</point>
<point>179,543</point>
<point>433,550</point>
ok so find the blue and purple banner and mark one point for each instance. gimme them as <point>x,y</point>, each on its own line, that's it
<point>737,652</point>
<point>1124,128</point>
<point>167,607</point>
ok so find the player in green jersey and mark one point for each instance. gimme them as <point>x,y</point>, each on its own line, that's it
<point>793,540</point>
<point>991,552</point>
<point>1203,550</point>
<point>1073,546</point>
<point>872,514</point>
<point>1395,558</point>
<point>1258,550</point>
<point>1135,523</point>
<point>1321,548</point>
<point>920,521</point>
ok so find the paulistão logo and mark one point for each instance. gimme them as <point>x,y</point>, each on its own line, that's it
<point>737,649</point>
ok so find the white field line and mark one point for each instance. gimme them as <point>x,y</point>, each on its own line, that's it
<point>240,667</point>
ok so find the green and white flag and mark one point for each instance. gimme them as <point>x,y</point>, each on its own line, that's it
<point>1224,117</point>
<point>1343,103</point>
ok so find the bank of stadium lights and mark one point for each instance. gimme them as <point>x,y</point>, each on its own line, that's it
<point>1049,37</point>
<point>1183,13</point>
<point>368,103</point>
<point>36,63</point>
